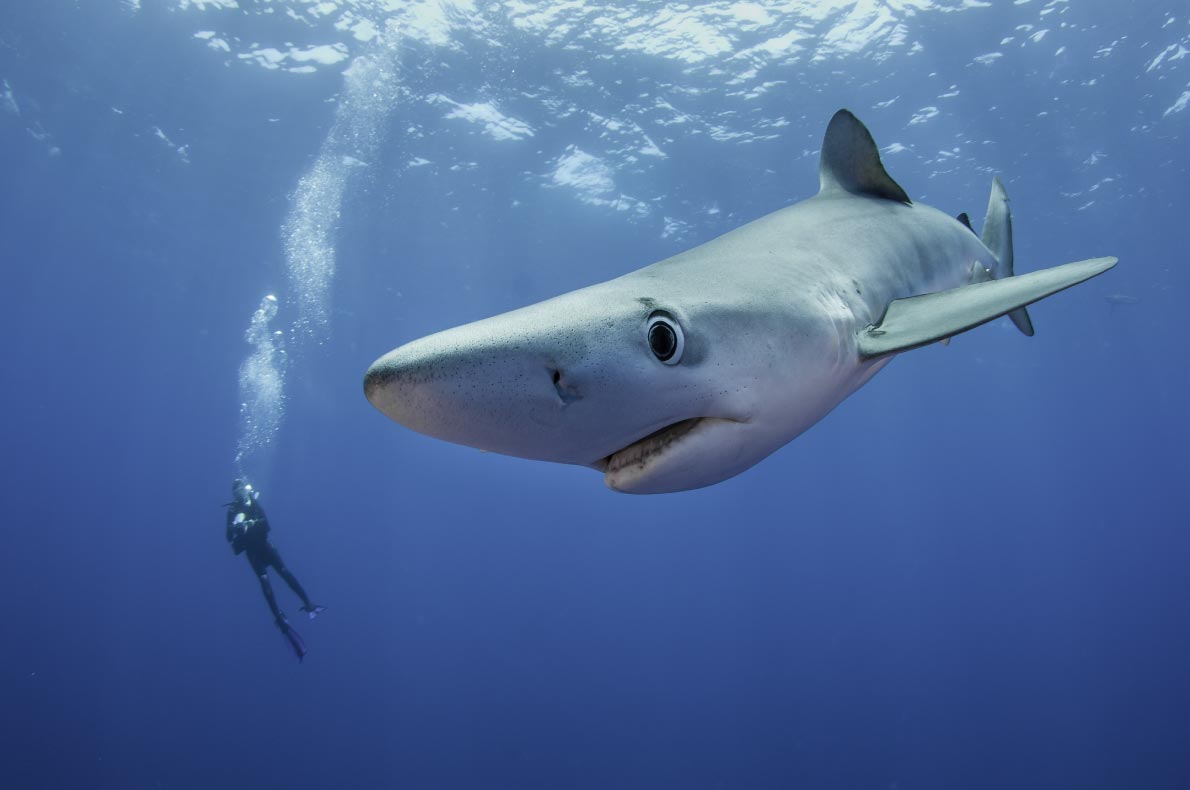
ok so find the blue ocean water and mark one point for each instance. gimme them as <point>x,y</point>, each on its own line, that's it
<point>971,574</point>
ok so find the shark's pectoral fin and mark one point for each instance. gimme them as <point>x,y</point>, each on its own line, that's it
<point>918,320</point>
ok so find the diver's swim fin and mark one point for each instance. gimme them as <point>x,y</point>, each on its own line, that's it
<point>294,639</point>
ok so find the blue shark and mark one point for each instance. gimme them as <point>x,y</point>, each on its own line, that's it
<point>690,371</point>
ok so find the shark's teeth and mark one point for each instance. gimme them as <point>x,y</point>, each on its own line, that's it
<point>641,453</point>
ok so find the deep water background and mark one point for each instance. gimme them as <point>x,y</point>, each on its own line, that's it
<point>972,574</point>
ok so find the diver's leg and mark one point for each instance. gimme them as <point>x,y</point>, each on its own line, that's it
<point>291,580</point>
<point>260,566</point>
<point>267,589</point>
<point>295,585</point>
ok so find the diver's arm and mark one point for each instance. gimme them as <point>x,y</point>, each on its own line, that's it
<point>235,531</point>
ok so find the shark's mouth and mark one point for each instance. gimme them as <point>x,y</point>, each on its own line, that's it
<point>643,457</point>
<point>644,451</point>
<point>686,454</point>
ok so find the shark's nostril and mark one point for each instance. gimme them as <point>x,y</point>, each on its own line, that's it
<point>567,392</point>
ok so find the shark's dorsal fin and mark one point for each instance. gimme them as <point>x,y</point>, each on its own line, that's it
<point>963,218</point>
<point>851,162</point>
<point>917,320</point>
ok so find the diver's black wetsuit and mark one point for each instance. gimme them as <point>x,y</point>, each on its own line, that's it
<point>251,535</point>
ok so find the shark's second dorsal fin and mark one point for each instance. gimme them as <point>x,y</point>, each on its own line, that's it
<point>851,162</point>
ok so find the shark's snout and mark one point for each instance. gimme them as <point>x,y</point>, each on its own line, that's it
<point>399,385</point>
<point>376,380</point>
<point>489,398</point>
<point>523,384</point>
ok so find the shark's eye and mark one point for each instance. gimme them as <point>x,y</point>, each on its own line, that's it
<point>665,338</point>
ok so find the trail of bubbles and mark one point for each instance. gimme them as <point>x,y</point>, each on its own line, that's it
<point>262,385</point>
<point>369,94</point>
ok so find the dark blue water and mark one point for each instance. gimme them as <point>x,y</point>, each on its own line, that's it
<point>972,574</point>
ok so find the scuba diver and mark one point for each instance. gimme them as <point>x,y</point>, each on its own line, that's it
<point>248,532</point>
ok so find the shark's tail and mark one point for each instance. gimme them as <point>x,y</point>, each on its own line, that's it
<point>997,237</point>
